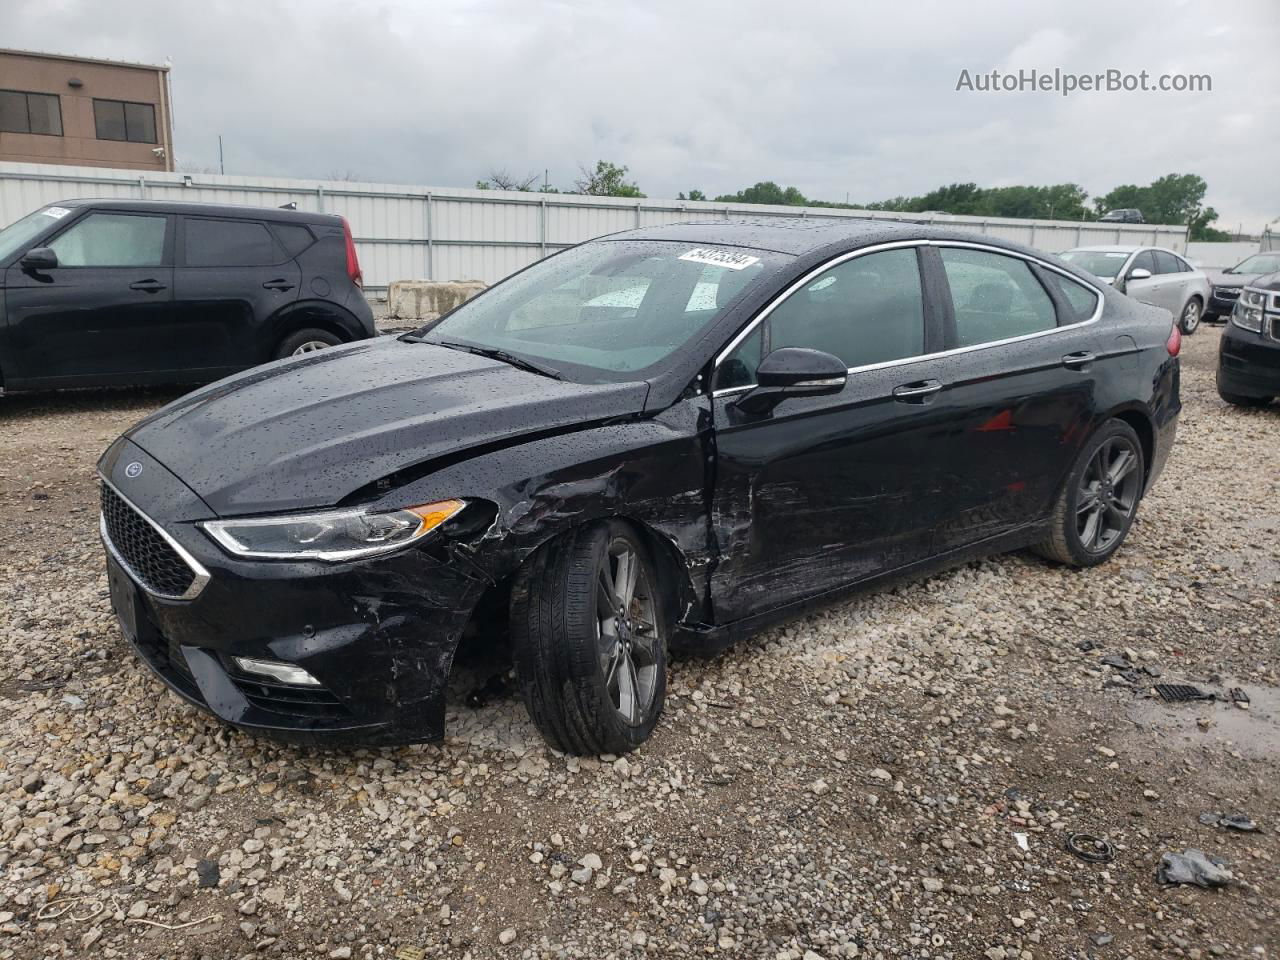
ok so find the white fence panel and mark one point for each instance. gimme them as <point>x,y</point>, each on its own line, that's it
<point>1218,256</point>
<point>427,233</point>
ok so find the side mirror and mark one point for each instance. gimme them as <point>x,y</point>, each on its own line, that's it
<point>1139,273</point>
<point>793,372</point>
<point>39,258</point>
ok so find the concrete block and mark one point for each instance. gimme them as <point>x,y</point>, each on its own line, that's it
<point>427,299</point>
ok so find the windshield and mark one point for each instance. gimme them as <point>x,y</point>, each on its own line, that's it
<point>1261,263</point>
<point>608,310</point>
<point>1101,263</point>
<point>17,236</point>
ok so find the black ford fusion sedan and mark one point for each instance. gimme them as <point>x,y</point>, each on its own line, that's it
<point>669,437</point>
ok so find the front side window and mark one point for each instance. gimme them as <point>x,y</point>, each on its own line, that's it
<point>1146,260</point>
<point>112,240</point>
<point>1167,262</point>
<point>609,309</point>
<point>22,112</point>
<point>228,243</point>
<point>124,120</point>
<point>866,310</point>
<point>995,297</point>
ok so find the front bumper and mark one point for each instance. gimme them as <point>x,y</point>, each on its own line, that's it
<point>1249,363</point>
<point>1221,304</point>
<point>378,634</point>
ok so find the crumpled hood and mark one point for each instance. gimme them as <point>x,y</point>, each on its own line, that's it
<point>306,432</point>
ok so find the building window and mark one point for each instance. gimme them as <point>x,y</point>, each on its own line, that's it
<point>22,112</point>
<point>122,120</point>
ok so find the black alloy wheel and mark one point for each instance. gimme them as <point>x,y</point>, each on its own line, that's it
<point>1099,498</point>
<point>590,625</point>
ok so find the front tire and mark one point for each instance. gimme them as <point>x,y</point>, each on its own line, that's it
<point>1097,503</point>
<point>1192,313</point>
<point>590,628</point>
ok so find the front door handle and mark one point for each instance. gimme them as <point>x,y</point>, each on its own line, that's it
<point>918,392</point>
<point>148,286</point>
<point>279,284</point>
<point>1079,360</point>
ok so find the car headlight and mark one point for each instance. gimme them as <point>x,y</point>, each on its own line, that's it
<point>331,534</point>
<point>1247,314</point>
<point>1247,318</point>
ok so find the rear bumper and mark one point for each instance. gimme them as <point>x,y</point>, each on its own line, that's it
<point>1249,363</point>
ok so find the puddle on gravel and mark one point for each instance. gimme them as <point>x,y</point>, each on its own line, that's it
<point>1254,733</point>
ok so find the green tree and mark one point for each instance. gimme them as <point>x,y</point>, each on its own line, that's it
<point>1174,198</point>
<point>693,195</point>
<point>607,180</point>
<point>766,191</point>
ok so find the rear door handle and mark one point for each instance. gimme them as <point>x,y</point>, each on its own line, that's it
<point>280,284</point>
<point>1078,361</point>
<point>918,392</point>
<point>148,286</point>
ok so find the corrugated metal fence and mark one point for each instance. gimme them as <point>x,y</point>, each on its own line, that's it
<point>427,233</point>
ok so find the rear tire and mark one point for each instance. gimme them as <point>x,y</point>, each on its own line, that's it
<point>1192,314</point>
<point>1096,506</point>
<point>307,340</point>
<point>590,627</point>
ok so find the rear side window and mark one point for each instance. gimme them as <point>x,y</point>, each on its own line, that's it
<point>995,297</point>
<point>1167,262</point>
<point>229,243</point>
<point>866,310</point>
<point>1079,301</point>
<point>112,240</point>
<point>294,237</point>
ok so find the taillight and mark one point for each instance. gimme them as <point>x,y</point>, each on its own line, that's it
<point>1174,343</point>
<point>353,262</point>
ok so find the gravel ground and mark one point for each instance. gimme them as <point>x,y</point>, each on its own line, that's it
<point>860,783</point>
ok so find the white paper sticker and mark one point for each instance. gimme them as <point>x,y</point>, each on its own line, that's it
<point>1117,256</point>
<point>56,212</point>
<point>719,258</point>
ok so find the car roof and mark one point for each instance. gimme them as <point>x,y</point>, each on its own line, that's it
<point>203,209</point>
<point>803,235</point>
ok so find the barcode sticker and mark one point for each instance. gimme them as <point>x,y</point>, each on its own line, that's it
<point>719,258</point>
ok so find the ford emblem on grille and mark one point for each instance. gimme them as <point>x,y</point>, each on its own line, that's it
<point>133,469</point>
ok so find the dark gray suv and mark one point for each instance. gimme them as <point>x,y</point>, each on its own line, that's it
<point>117,292</point>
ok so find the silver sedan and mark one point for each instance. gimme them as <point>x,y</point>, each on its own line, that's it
<point>1153,275</point>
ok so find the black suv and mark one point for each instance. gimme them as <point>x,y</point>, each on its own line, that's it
<point>1123,215</point>
<point>114,292</point>
<point>1249,352</point>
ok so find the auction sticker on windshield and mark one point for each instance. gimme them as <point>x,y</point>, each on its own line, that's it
<point>56,212</point>
<point>719,258</point>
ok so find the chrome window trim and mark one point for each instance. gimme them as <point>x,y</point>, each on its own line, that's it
<point>898,244</point>
<point>197,568</point>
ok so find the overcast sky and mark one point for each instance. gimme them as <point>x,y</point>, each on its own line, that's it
<point>835,98</point>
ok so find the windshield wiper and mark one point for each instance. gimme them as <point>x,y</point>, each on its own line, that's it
<point>493,353</point>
